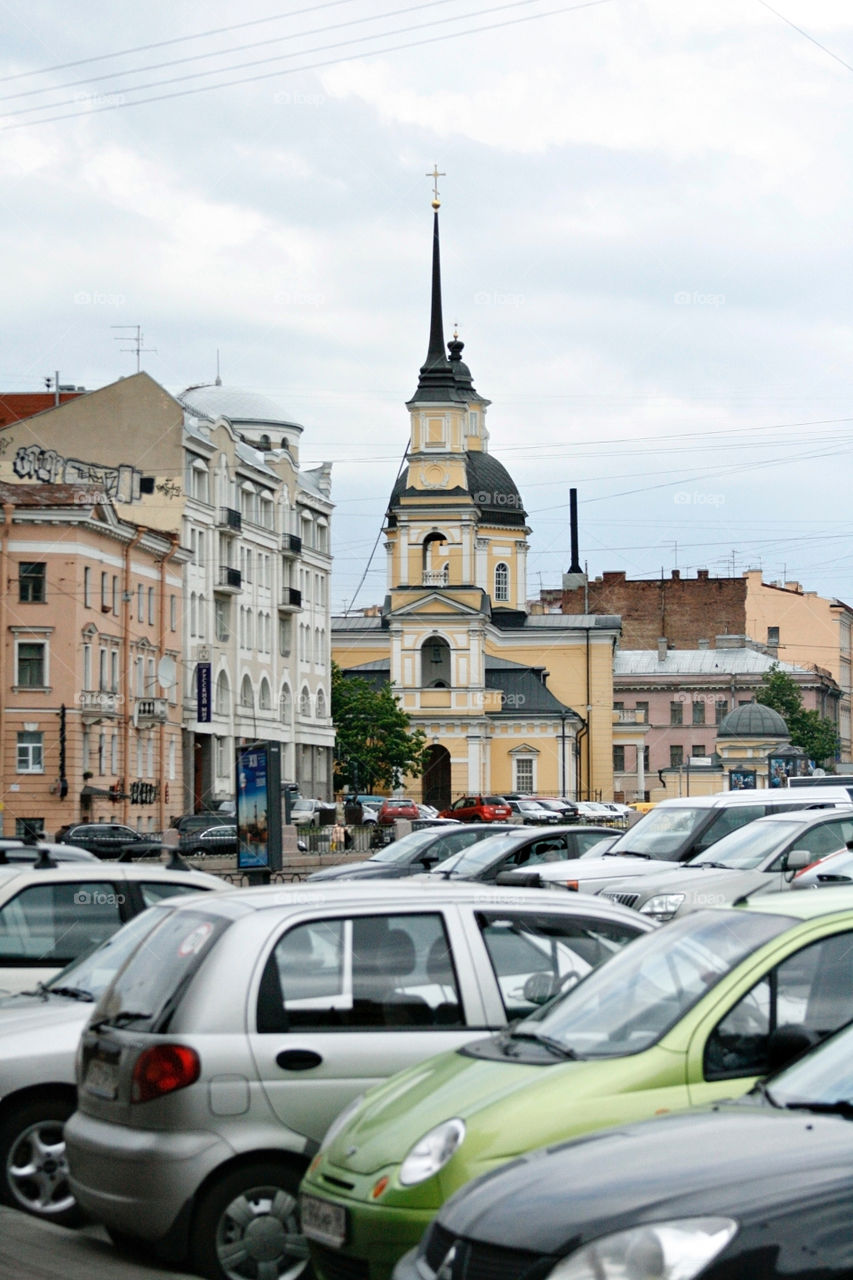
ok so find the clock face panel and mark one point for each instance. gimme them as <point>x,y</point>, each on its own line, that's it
<point>433,476</point>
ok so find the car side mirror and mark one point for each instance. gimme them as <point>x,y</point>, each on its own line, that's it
<point>798,859</point>
<point>520,879</point>
<point>430,860</point>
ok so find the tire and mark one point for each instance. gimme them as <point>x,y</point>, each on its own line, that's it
<point>33,1166</point>
<point>247,1224</point>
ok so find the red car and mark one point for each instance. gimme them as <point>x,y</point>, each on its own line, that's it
<point>478,809</point>
<point>390,810</point>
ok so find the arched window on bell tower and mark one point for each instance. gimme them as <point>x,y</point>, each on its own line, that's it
<point>434,567</point>
<point>435,663</point>
<point>501,582</point>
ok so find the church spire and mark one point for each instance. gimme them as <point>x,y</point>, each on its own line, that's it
<point>436,381</point>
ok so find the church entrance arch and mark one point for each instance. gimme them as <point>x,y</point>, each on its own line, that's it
<point>436,777</point>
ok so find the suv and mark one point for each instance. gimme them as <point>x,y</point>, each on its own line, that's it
<point>392,809</point>
<point>50,915</point>
<point>478,809</point>
<point>105,839</point>
<point>244,1023</point>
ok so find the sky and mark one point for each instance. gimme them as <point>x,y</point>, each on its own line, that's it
<point>645,231</point>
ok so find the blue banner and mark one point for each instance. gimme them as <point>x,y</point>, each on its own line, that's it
<point>204,706</point>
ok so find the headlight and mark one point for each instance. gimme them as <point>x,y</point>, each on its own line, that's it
<point>658,1251</point>
<point>340,1121</point>
<point>663,906</point>
<point>431,1152</point>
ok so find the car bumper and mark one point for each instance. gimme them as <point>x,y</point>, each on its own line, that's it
<point>138,1181</point>
<point>377,1236</point>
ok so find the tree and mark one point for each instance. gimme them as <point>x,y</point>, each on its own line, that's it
<point>375,745</point>
<point>814,733</point>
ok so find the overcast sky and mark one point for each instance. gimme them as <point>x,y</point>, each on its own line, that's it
<point>646,244</point>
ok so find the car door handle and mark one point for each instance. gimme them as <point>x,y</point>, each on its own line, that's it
<point>298,1059</point>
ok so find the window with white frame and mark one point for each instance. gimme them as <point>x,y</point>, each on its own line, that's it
<point>501,581</point>
<point>524,774</point>
<point>31,662</point>
<point>305,702</point>
<point>114,754</point>
<point>87,587</point>
<point>197,479</point>
<point>87,666</point>
<point>30,753</point>
<point>173,755</point>
<point>173,612</point>
<point>102,749</point>
<point>140,601</point>
<point>150,604</point>
<point>223,694</point>
<point>114,670</point>
<point>221,757</point>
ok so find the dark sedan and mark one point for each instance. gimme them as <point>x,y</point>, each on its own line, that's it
<point>521,847</point>
<point>105,839</point>
<point>757,1188</point>
<point>418,851</point>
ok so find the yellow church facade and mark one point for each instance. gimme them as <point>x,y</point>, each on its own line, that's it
<point>511,698</point>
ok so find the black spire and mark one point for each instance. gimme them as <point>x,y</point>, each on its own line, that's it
<point>436,381</point>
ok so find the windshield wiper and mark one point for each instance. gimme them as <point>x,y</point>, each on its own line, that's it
<point>698,865</point>
<point>120,1019</point>
<point>625,853</point>
<point>562,1050</point>
<point>843,1107</point>
<point>73,993</point>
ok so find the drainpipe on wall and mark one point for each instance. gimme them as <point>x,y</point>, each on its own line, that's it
<point>8,513</point>
<point>161,652</point>
<point>128,683</point>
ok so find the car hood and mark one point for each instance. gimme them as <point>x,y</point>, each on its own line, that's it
<point>395,1115</point>
<point>602,868</point>
<point>739,1161</point>
<point>710,887</point>
<point>31,1014</point>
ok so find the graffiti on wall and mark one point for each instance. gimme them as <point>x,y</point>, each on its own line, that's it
<point>121,484</point>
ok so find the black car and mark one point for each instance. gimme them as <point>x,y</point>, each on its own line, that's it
<point>757,1188</point>
<point>418,851</point>
<point>521,847</point>
<point>105,839</point>
<point>219,839</point>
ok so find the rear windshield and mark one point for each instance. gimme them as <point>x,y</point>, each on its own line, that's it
<point>148,990</point>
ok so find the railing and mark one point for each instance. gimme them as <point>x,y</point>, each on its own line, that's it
<point>98,703</point>
<point>230,519</point>
<point>229,577</point>
<point>151,710</point>
<point>291,599</point>
<point>434,578</point>
<point>291,542</point>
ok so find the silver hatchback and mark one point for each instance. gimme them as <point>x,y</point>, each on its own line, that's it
<point>242,1026</point>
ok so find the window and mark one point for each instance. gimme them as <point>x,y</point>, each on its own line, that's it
<point>32,582</point>
<point>619,759</point>
<point>32,664</point>
<point>173,613</point>
<point>29,829</point>
<point>223,619</point>
<point>50,924</point>
<point>676,757</point>
<point>646,758</point>
<point>114,600</point>
<point>501,582</point>
<point>105,592</point>
<point>197,479</point>
<point>676,713</point>
<point>698,713</point>
<point>370,971</point>
<point>305,703</point>
<point>150,605</point>
<point>697,750</point>
<point>87,666</point>
<point>30,758</point>
<point>721,710</point>
<point>773,635</point>
<point>524,774</point>
<point>643,708</point>
<point>87,587</point>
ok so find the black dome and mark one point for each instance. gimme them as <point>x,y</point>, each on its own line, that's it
<point>753,720</point>
<point>489,484</point>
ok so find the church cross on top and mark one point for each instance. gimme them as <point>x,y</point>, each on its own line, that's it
<point>435,175</point>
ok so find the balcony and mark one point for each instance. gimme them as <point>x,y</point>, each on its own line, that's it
<point>290,601</point>
<point>230,580</point>
<point>97,704</point>
<point>230,521</point>
<point>291,544</point>
<point>148,711</point>
<point>434,578</point>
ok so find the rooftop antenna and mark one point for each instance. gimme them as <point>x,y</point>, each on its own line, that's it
<point>137,341</point>
<point>218,382</point>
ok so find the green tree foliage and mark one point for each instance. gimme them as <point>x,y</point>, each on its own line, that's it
<point>375,746</point>
<point>816,734</point>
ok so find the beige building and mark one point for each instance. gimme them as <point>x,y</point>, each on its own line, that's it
<point>510,699</point>
<point>217,468</point>
<point>90,633</point>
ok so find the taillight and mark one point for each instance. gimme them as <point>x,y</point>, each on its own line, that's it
<point>162,1069</point>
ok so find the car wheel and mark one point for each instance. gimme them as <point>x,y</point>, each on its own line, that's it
<point>33,1162</point>
<point>247,1226</point>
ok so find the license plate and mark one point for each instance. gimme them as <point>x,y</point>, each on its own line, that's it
<point>101,1078</point>
<point>326,1223</point>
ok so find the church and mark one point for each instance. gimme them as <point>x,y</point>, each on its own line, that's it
<point>510,697</point>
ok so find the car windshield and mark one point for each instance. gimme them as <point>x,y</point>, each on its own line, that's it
<point>94,972</point>
<point>744,849</point>
<point>403,849</point>
<point>632,1001</point>
<point>823,1076</point>
<point>663,832</point>
<point>482,854</point>
<point>301,805</point>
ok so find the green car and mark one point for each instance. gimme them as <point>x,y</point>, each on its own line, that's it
<point>690,1013</point>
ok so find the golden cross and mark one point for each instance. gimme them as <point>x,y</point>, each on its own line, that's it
<point>435,175</point>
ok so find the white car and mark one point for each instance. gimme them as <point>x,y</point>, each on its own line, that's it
<point>51,915</point>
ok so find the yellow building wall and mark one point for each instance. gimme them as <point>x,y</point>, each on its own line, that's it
<point>808,632</point>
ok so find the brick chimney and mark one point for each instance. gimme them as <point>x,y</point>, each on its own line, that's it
<point>662,649</point>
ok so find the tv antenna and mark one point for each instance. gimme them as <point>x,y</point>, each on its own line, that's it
<point>136,337</point>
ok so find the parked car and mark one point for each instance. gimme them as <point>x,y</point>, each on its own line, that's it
<point>51,915</point>
<point>834,869</point>
<point>39,1034</point>
<point>104,839</point>
<point>519,847</point>
<point>690,1014</point>
<point>310,813</point>
<point>392,809</point>
<point>758,1187</point>
<point>531,811</point>
<point>567,810</point>
<point>220,840</point>
<point>761,857</point>
<point>678,830</point>
<point>416,852</point>
<point>242,1025</point>
<point>478,809</point>
<point>189,823</point>
<point>17,851</point>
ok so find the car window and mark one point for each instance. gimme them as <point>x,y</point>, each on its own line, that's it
<point>536,956</point>
<point>96,970</point>
<point>154,891</point>
<point>589,839</point>
<point>812,989</point>
<point>826,838</point>
<point>727,820</point>
<point>55,923</point>
<point>381,971</point>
